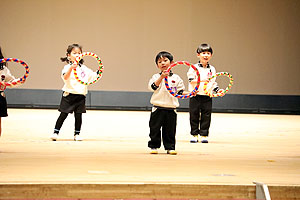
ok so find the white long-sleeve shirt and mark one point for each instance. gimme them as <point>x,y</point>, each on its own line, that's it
<point>161,96</point>
<point>72,85</point>
<point>205,74</point>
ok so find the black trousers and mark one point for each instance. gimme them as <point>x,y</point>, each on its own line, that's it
<point>200,114</point>
<point>3,106</point>
<point>63,116</point>
<point>163,125</point>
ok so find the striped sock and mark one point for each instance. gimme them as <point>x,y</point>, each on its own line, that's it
<point>56,131</point>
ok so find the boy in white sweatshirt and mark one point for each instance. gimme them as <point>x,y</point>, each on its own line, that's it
<point>163,115</point>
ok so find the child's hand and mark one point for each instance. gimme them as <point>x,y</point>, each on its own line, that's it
<point>187,93</point>
<point>2,87</point>
<point>74,65</point>
<point>162,76</point>
<point>221,92</point>
<point>194,94</point>
<point>98,72</point>
<point>164,73</point>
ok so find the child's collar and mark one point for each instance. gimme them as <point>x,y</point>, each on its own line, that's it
<point>200,65</point>
<point>170,73</point>
<point>71,63</point>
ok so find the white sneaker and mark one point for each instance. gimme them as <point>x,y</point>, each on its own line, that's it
<point>194,139</point>
<point>204,139</point>
<point>154,151</point>
<point>171,152</point>
<point>54,137</point>
<point>77,138</point>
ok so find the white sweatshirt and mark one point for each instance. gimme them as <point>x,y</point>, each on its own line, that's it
<point>72,85</point>
<point>6,76</point>
<point>205,74</point>
<point>161,96</point>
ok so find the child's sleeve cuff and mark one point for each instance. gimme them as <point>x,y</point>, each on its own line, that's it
<point>154,87</point>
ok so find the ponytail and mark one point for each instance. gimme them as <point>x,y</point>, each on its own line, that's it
<point>65,59</point>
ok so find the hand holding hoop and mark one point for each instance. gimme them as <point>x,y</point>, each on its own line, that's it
<point>221,93</point>
<point>19,80</point>
<point>100,69</point>
<point>196,87</point>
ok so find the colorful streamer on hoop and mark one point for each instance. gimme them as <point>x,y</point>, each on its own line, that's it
<point>100,69</point>
<point>19,80</point>
<point>196,87</point>
<point>225,91</point>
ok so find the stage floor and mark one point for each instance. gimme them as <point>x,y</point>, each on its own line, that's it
<point>242,148</point>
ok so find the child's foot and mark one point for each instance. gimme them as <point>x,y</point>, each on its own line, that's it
<point>77,138</point>
<point>154,151</point>
<point>194,139</point>
<point>204,139</point>
<point>171,152</point>
<point>54,137</point>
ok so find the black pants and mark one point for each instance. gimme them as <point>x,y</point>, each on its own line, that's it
<point>63,116</point>
<point>3,106</point>
<point>200,114</point>
<point>164,119</point>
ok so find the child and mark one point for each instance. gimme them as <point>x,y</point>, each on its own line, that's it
<point>5,77</point>
<point>200,107</point>
<point>73,97</point>
<point>163,115</point>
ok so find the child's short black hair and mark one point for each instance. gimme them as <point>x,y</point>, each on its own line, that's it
<point>163,54</point>
<point>204,48</point>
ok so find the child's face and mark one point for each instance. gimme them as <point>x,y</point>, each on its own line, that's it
<point>163,63</point>
<point>204,57</point>
<point>76,52</point>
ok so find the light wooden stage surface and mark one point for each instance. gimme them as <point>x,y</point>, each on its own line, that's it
<point>242,148</point>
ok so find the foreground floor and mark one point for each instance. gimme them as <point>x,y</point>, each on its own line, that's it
<point>242,148</point>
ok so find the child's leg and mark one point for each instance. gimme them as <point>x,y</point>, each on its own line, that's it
<point>206,109</point>
<point>3,108</point>
<point>60,122</point>
<point>194,114</point>
<point>155,124</point>
<point>78,122</point>
<point>169,129</point>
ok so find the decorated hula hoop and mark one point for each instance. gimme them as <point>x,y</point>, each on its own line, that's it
<point>225,91</point>
<point>19,80</point>
<point>196,87</point>
<point>100,68</point>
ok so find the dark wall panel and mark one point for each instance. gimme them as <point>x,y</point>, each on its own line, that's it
<point>114,100</point>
